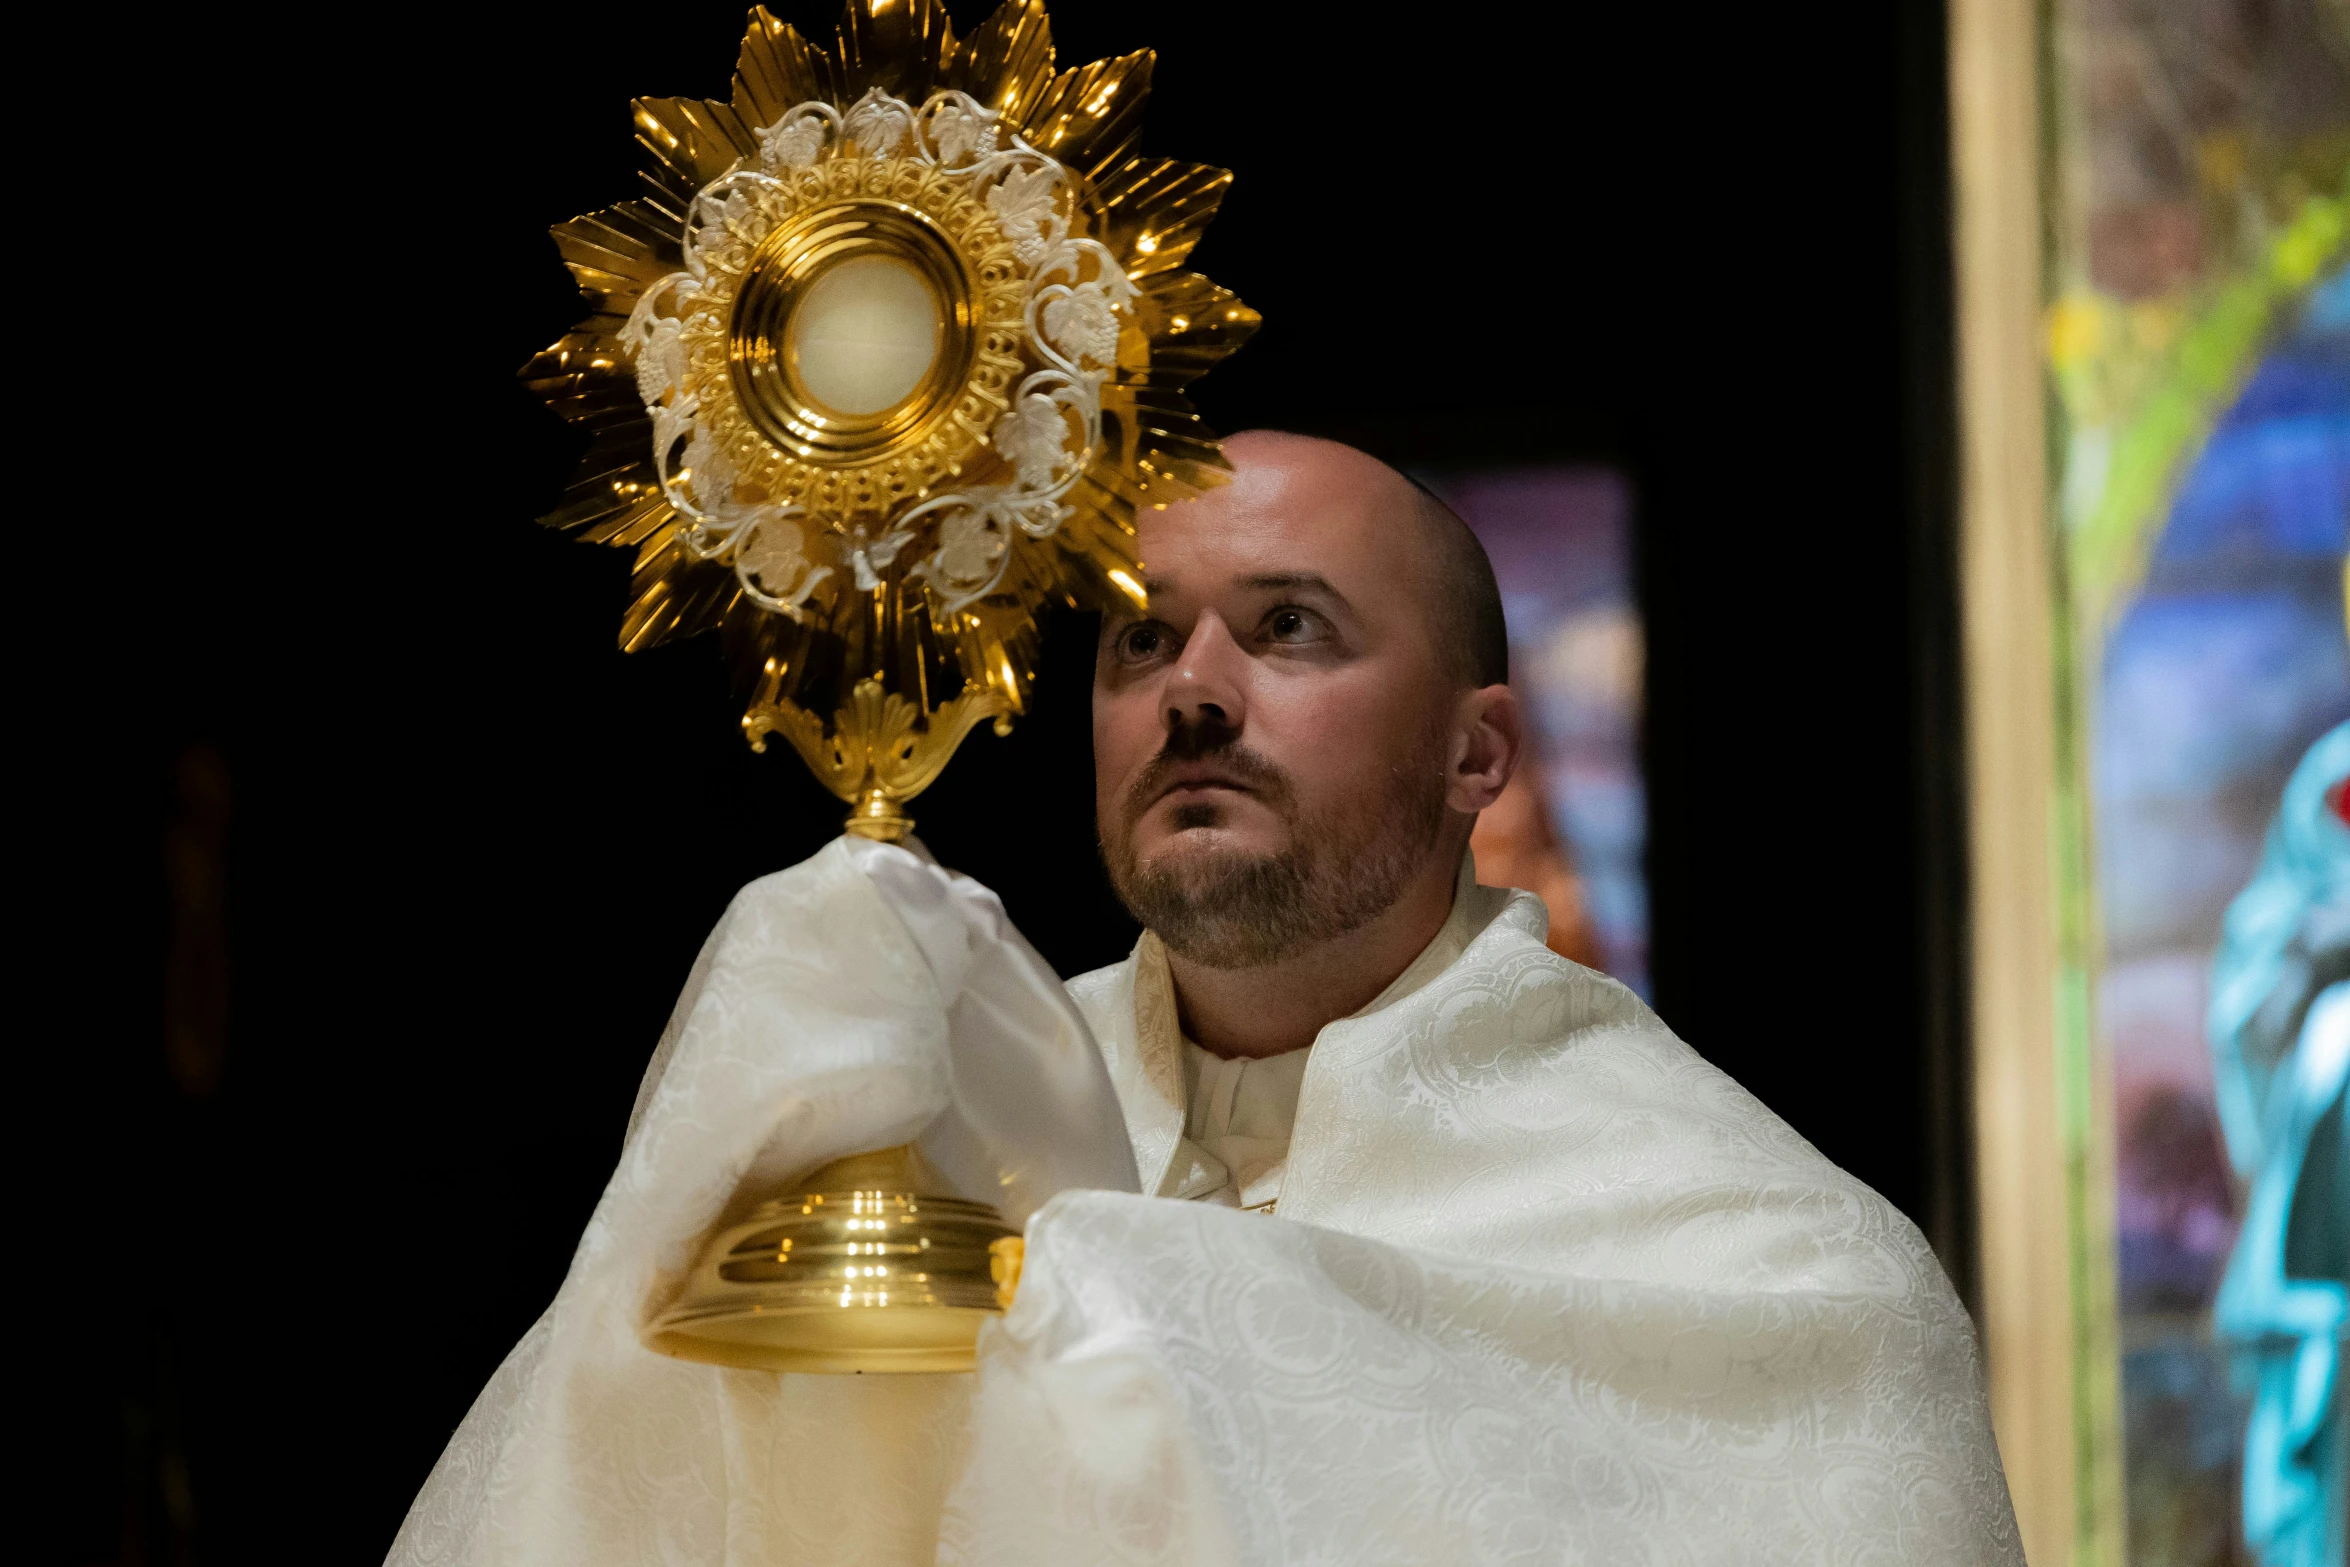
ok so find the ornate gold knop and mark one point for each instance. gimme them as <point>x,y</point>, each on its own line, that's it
<point>887,359</point>
<point>878,754</point>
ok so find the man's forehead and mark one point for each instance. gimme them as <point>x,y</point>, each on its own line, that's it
<point>1169,583</point>
<point>1322,517</point>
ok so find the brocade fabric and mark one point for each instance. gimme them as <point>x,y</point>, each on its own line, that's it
<point>1543,1286</point>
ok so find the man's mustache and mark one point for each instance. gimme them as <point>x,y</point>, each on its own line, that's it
<point>1200,742</point>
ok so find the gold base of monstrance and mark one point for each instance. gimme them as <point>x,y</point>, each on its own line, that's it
<point>886,360</point>
<point>869,1269</point>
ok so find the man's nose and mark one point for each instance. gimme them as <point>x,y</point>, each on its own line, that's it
<point>1208,684</point>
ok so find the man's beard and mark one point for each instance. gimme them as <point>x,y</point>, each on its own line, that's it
<point>1230,909</point>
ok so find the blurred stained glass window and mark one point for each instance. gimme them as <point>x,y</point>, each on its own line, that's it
<point>1573,825</point>
<point>2199,340</point>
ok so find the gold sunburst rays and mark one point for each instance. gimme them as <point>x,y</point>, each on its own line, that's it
<point>876,573</point>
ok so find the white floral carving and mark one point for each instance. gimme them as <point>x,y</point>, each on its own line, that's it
<point>968,549</point>
<point>776,555</point>
<point>713,221</point>
<point>872,557</point>
<point>792,142</point>
<point>710,472</point>
<point>660,359</point>
<point>878,123</point>
<point>652,339</point>
<point>1033,438</point>
<point>961,130</point>
<point>670,424</point>
<point>1083,326</point>
<point>1023,208</point>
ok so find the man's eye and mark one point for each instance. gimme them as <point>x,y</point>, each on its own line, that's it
<point>1293,625</point>
<point>1141,640</point>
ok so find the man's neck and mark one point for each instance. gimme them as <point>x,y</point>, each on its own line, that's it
<point>1260,1012</point>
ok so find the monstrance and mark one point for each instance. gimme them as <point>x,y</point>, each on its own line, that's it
<point>886,358</point>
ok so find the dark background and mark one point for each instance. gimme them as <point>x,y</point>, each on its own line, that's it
<point>354,789</point>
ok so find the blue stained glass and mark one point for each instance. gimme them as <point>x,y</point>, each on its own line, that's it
<point>2225,670</point>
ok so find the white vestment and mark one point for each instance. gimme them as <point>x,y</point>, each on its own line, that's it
<point>1543,1286</point>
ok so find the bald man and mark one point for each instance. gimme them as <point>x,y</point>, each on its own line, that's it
<point>1290,749</point>
<point>1418,1242</point>
<point>1717,1344</point>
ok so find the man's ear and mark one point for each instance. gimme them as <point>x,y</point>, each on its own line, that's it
<point>1488,733</point>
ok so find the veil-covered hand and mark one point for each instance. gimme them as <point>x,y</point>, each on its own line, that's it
<point>865,998</point>
<point>1030,1111</point>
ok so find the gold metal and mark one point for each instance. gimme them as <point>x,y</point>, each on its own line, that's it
<point>875,676</point>
<point>784,444</point>
<point>786,266</point>
<point>880,656</point>
<point>866,1269</point>
<point>1005,1255</point>
<point>876,756</point>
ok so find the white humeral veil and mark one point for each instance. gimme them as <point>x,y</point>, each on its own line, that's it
<point>1543,1286</point>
